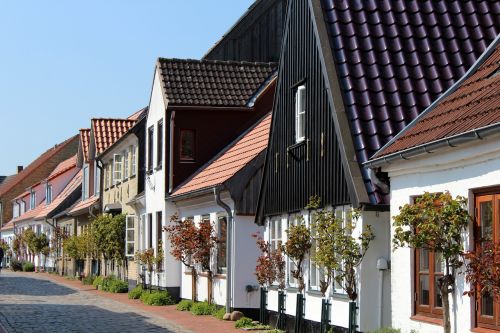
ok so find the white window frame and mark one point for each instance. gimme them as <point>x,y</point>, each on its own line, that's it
<point>48,194</point>
<point>125,164</point>
<point>133,162</point>
<point>300,114</point>
<point>313,283</point>
<point>343,212</point>
<point>129,219</point>
<point>85,182</point>
<point>97,180</point>
<point>117,168</point>
<point>32,199</point>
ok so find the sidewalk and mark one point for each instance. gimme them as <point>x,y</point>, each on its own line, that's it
<point>197,324</point>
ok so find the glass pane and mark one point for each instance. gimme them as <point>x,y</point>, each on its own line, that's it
<point>438,263</point>
<point>424,260</point>
<point>438,299</point>
<point>130,248</point>
<point>130,223</point>
<point>486,219</point>
<point>130,235</point>
<point>314,275</point>
<point>278,229</point>
<point>424,290</point>
<point>487,305</point>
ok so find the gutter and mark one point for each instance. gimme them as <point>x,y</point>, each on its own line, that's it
<point>229,242</point>
<point>427,148</point>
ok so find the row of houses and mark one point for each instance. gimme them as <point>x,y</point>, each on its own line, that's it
<point>365,105</point>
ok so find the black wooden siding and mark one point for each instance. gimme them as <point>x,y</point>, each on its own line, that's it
<point>313,167</point>
<point>256,37</point>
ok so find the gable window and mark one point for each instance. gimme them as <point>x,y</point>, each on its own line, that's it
<point>300,113</point>
<point>221,244</point>
<point>129,236</point>
<point>159,145</point>
<point>151,134</point>
<point>487,230</point>
<point>48,194</point>
<point>133,163</point>
<point>32,199</point>
<point>117,176</point>
<point>187,145</point>
<point>85,182</point>
<point>125,164</point>
<point>97,180</point>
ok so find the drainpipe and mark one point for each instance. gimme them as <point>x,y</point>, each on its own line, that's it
<point>229,243</point>
<point>382,265</point>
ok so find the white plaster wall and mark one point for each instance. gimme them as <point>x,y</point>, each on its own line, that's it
<point>458,171</point>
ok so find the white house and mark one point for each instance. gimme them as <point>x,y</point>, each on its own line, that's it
<point>453,146</point>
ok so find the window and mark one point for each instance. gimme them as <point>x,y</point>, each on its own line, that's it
<point>151,133</point>
<point>125,165</point>
<point>315,273</point>
<point>275,234</point>
<point>159,145</point>
<point>300,114</point>
<point>292,282</point>
<point>150,231</point>
<point>48,194</point>
<point>343,213</point>
<point>117,168</point>
<point>187,142</point>
<point>159,220</point>
<point>32,199</point>
<point>97,180</point>
<point>85,182</point>
<point>221,245</point>
<point>22,208</point>
<point>428,270</point>
<point>133,162</point>
<point>487,230</point>
<point>129,236</point>
<point>38,229</point>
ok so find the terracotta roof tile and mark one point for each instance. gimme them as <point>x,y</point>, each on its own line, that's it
<point>232,159</point>
<point>136,115</point>
<point>394,58</point>
<point>63,167</point>
<point>66,192</point>
<point>40,161</point>
<point>8,226</point>
<point>80,206</point>
<point>85,142</point>
<point>24,194</point>
<point>30,214</point>
<point>469,105</point>
<point>107,131</point>
<point>212,82</point>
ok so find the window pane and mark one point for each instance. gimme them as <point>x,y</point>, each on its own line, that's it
<point>438,263</point>
<point>221,251</point>
<point>187,149</point>
<point>438,299</point>
<point>130,248</point>
<point>424,260</point>
<point>130,235</point>
<point>486,216</point>
<point>487,305</point>
<point>424,290</point>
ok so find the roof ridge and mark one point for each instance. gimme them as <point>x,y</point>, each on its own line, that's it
<point>224,62</point>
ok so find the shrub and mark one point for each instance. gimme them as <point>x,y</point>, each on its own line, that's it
<point>184,305</point>
<point>97,281</point>
<point>16,265</point>
<point>117,286</point>
<point>157,298</point>
<point>203,309</point>
<point>28,267</point>
<point>387,330</point>
<point>135,293</point>
<point>219,314</point>
<point>280,331</point>
<point>88,280</point>
<point>244,322</point>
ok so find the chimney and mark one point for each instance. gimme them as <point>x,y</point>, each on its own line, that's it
<point>19,168</point>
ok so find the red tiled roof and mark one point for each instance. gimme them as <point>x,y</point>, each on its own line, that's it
<point>136,115</point>
<point>25,193</point>
<point>232,159</point>
<point>83,205</point>
<point>85,142</point>
<point>63,166</point>
<point>30,214</point>
<point>471,104</point>
<point>107,131</point>
<point>8,226</point>
<point>40,161</point>
<point>66,192</point>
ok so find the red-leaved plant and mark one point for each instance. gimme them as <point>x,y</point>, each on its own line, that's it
<point>270,264</point>
<point>482,270</point>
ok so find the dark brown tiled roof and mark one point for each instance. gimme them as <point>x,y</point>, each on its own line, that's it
<point>39,162</point>
<point>472,104</point>
<point>212,83</point>
<point>394,58</point>
<point>108,131</point>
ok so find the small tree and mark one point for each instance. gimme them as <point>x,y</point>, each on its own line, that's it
<point>147,258</point>
<point>109,236</point>
<point>29,239</point>
<point>483,271</point>
<point>435,222</point>
<point>40,244</point>
<point>265,270</point>
<point>297,247</point>
<point>158,260</point>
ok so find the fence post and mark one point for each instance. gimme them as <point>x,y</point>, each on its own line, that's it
<point>263,305</point>
<point>325,315</point>
<point>352,317</point>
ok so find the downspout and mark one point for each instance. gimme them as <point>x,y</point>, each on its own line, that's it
<point>171,153</point>
<point>229,242</point>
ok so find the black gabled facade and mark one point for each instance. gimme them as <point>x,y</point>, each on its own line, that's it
<point>294,172</point>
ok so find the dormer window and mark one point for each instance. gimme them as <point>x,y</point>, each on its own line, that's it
<point>85,182</point>
<point>32,199</point>
<point>117,170</point>
<point>48,194</point>
<point>300,114</point>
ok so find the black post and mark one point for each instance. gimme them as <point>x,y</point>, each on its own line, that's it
<point>325,315</point>
<point>281,322</point>
<point>299,313</point>
<point>352,317</point>
<point>263,305</point>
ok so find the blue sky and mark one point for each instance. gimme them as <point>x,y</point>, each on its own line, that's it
<point>63,62</point>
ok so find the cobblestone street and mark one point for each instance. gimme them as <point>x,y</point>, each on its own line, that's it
<point>31,303</point>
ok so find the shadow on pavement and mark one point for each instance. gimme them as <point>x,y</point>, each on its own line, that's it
<point>72,318</point>
<point>16,285</point>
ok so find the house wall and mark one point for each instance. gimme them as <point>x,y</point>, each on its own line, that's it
<point>459,171</point>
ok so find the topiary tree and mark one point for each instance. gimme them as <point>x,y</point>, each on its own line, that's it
<point>296,248</point>
<point>40,244</point>
<point>147,258</point>
<point>436,222</point>
<point>265,270</point>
